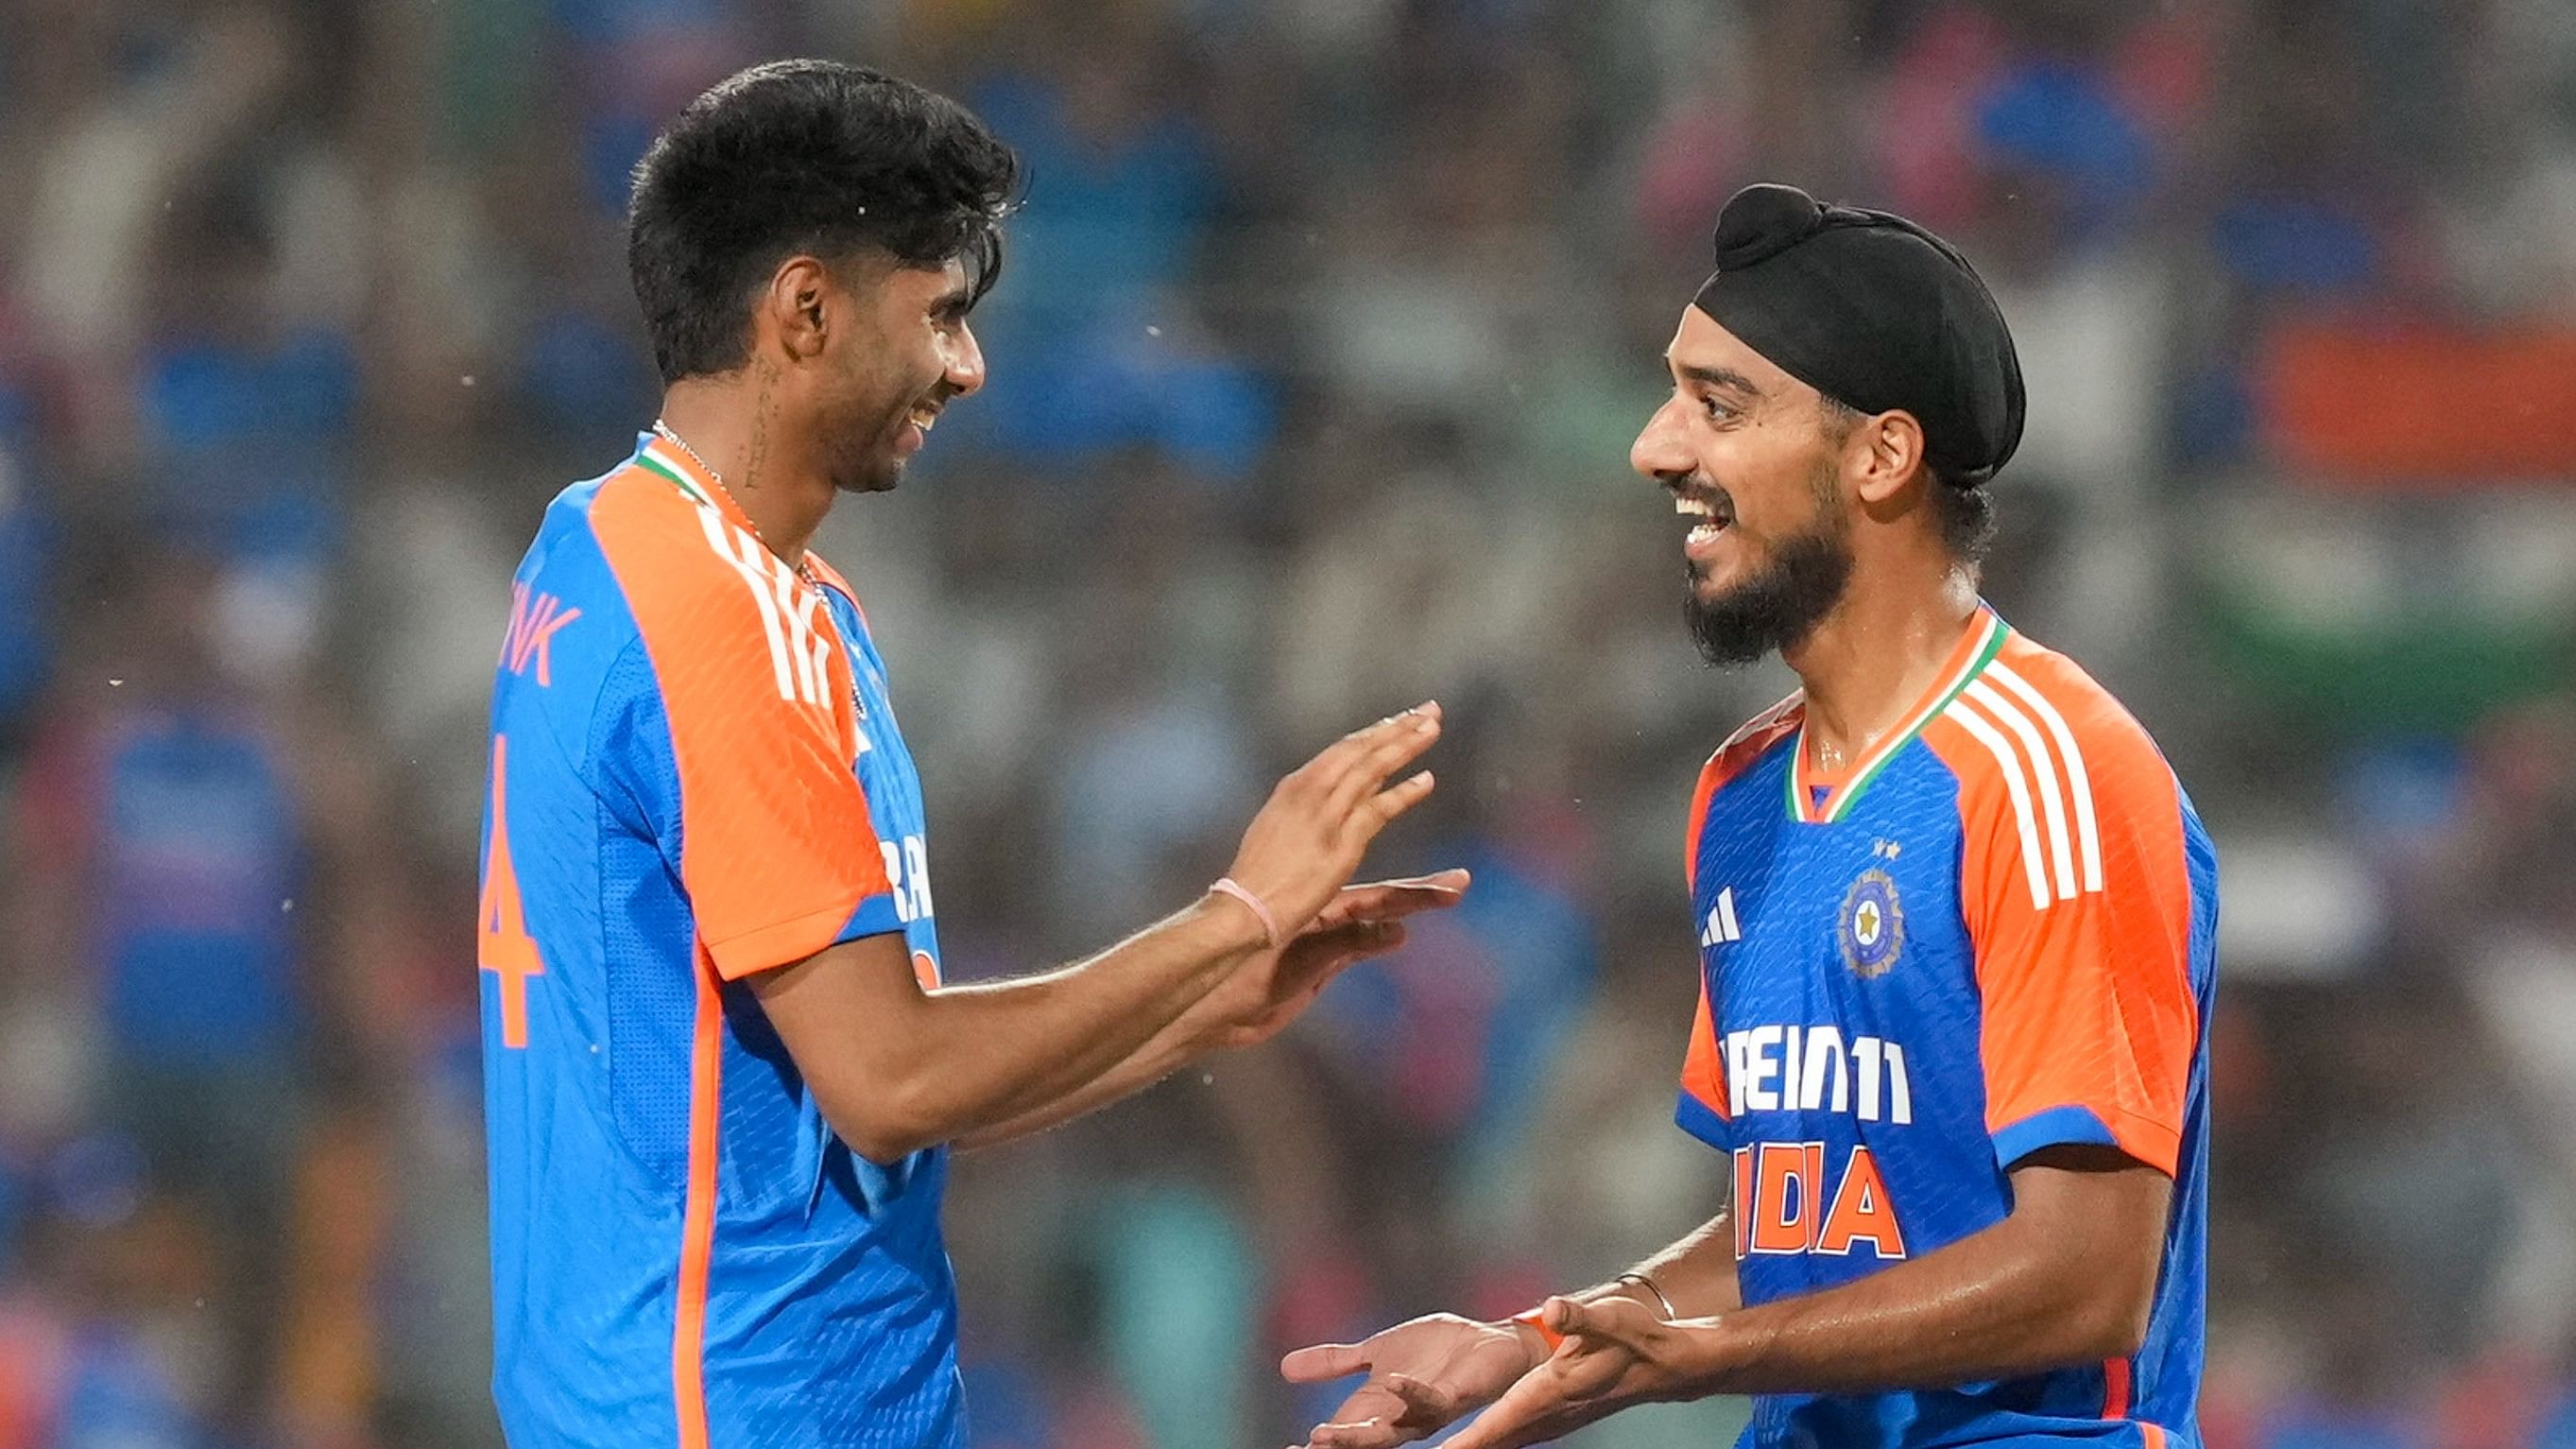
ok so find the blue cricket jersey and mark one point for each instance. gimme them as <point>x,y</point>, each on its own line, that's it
<point>695,777</point>
<point>1993,934</point>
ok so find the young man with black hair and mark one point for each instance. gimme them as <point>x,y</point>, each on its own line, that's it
<point>1956,923</point>
<point>720,1067</point>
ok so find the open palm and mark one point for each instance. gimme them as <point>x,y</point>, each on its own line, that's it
<point>1422,1375</point>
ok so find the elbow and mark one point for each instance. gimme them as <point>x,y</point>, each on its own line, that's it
<point>884,1145</point>
<point>2116,1330</point>
<point>2109,1320</point>
<point>884,1125</point>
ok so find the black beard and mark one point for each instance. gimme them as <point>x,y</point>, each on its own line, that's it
<point>1777,607</point>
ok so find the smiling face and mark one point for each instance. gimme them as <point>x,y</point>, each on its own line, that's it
<point>909,354</point>
<point>1754,461</point>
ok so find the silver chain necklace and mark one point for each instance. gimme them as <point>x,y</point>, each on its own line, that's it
<point>664,431</point>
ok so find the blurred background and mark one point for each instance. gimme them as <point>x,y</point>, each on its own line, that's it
<point>1325,330</point>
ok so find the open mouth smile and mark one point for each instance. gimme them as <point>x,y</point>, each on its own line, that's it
<point>1711,513</point>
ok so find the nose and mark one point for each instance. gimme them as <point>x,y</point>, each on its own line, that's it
<point>1659,451</point>
<point>965,362</point>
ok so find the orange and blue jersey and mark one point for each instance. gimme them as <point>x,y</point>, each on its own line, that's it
<point>1992,935</point>
<point>695,777</point>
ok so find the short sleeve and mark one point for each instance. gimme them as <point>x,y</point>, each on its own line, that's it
<point>2076,893</point>
<point>1701,1112</point>
<point>774,846</point>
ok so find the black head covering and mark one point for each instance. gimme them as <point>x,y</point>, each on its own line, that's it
<point>1875,312</point>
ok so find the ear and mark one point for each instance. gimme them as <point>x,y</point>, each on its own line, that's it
<point>1885,453</point>
<point>795,311</point>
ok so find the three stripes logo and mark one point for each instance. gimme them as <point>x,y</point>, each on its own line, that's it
<point>2044,775</point>
<point>1720,928</point>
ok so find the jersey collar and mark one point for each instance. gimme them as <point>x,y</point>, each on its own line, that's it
<point>655,455</point>
<point>1975,650</point>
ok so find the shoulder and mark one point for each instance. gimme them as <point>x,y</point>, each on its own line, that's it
<point>691,577</point>
<point>656,538</point>
<point>2047,758</point>
<point>838,584</point>
<point>829,575</point>
<point>2035,713</point>
<point>1756,738</point>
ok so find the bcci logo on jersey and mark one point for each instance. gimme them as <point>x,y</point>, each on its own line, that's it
<point>1872,925</point>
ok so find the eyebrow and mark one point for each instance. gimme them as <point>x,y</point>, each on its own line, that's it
<point>1716,377</point>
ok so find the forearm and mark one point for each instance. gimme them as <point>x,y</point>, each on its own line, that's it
<point>1695,1277</point>
<point>1696,1274</point>
<point>1166,1052</point>
<point>985,1055</point>
<point>1994,1305</point>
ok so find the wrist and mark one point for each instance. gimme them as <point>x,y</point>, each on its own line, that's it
<point>1225,927</point>
<point>1646,1291</point>
<point>1251,900</point>
<point>1537,1344</point>
<point>1242,926</point>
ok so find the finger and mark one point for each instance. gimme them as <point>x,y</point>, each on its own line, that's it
<point>1354,780</point>
<point>1357,1434</point>
<point>1566,1316</point>
<point>1386,899</point>
<point>1323,1361</point>
<point>1383,937</point>
<point>1427,1406</point>
<point>1365,1420</point>
<point>1390,803</point>
<point>1342,755</point>
<point>1605,1322</point>
<point>1510,1421</point>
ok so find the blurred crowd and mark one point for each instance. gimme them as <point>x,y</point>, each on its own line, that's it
<point>1324,331</point>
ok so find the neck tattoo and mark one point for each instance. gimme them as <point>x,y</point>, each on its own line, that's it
<point>665,432</point>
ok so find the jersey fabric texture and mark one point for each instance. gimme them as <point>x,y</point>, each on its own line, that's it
<point>1994,934</point>
<point>695,777</point>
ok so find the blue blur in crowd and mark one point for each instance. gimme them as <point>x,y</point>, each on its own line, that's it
<point>197,860</point>
<point>1080,364</point>
<point>584,377</point>
<point>613,22</point>
<point>2062,122</point>
<point>2295,247</point>
<point>117,1398</point>
<point>28,539</point>
<point>1463,1025</point>
<point>2558,1430</point>
<point>2322,1430</point>
<point>254,441</point>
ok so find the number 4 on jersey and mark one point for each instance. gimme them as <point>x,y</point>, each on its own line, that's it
<point>502,943</point>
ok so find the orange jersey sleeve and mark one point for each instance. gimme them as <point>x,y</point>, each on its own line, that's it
<point>2076,894</point>
<point>1703,1069</point>
<point>777,851</point>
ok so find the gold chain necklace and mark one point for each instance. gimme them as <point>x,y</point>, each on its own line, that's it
<point>664,431</point>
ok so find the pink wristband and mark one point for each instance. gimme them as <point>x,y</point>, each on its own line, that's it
<point>1229,886</point>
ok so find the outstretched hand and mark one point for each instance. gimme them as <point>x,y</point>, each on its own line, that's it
<point>1422,1375</point>
<point>1359,922</point>
<point>1616,1351</point>
<point>1307,841</point>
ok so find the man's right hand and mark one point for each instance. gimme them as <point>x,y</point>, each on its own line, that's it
<point>1422,1375</point>
<point>1308,839</point>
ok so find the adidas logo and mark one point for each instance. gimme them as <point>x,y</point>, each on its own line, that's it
<point>1721,928</point>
